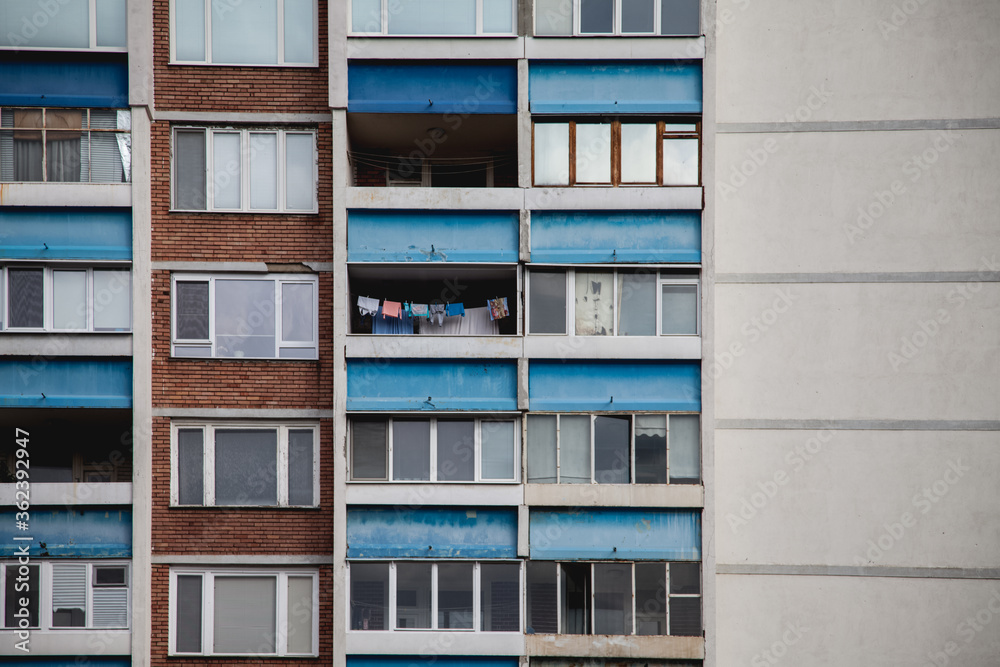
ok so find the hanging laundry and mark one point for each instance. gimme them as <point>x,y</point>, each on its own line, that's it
<point>367,305</point>
<point>406,307</point>
<point>454,309</point>
<point>391,308</point>
<point>393,325</point>
<point>437,313</point>
<point>419,310</point>
<point>498,308</point>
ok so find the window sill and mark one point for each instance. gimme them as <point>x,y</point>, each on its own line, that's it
<point>78,641</point>
<point>72,493</point>
<point>429,642</point>
<point>432,493</point>
<point>66,194</point>
<point>243,508</point>
<point>227,359</point>
<point>228,211</point>
<point>418,346</point>
<point>614,495</point>
<point>176,63</point>
<point>616,646</point>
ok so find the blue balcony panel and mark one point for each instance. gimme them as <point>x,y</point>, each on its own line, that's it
<point>614,385</point>
<point>66,233</point>
<point>454,88</point>
<point>40,382</point>
<point>431,533</point>
<point>63,79</point>
<point>431,384</point>
<point>91,532</point>
<point>439,236</point>
<point>615,534</point>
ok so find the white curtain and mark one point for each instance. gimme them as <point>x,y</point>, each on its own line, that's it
<point>476,322</point>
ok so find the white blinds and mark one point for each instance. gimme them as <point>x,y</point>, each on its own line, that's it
<point>110,607</point>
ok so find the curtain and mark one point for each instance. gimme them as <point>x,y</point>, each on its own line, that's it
<point>476,322</point>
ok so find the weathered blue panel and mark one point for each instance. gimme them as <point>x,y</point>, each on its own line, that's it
<point>56,382</point>
<point>614,385</point>
<point>454,88</point>
<point>64,80</point>
<point>431,533</point>
<point>428,661</point>
<point>622,534</point>
<point>559,87</point>
<point>588,237</point>
<point>439,236</point>
<point>431,384</point>
<point>67,661</point>
<point>91,532</point>
<point>65,233</point>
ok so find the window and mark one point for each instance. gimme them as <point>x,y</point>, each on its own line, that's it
<point>604,151</point>
<point>65,298</point>
<point>647,598</point>
<point>263,32</point>
<point>98,25</point>
<point>614,449</point>
<point>453,449</point>
<point>65,145</point>
<point>66,594</point>
<point>230,169</point>
<point>436,596</point>
<point>613,302</point>
<point>433,17</point>
<point>244,612</point>
<point>472,172</point>
<point>254,316</point>
<point>245,464</point>
<point>617,17</point>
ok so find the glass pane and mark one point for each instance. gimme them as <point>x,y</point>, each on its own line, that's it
<point>244,318</point>
<point>685,617</point>
<point>650,599</point>
<point>112,300</point>
<point>553,17</point>
<point>593,152</point>
<point>637,303</point>
<point>191,310</point>
<point>36,24</point>
<point>548,302</point>
<point>263,171</point>
<point>369,596</point>
<point>69,299</point>
<point>551,153</point>
<point>594,303</point>
<point>456,451</point>
<point>685,578</point>
<point>638,16</point>
<point>366,16</point>
<point>638,153</point>
<point>413,595</point>
<point>597,16</point>
<point>24,298</point>
<point>411,450</point>
<point>300,183</point>
<point>541,598</point>
<point>497,450</point>
<point>368,449</point>
<point>300,614</point>
<point>246,33</point>
<point>190,466</point>
<point>245,614</point>
<point>111,22</point>
<point>433,17</point>
<point>188,621</point>
<point>680,17</point>
<point>574,449</point>
<point>542,449</point>
<point>500,597</point>
<point>189,171</point>
<point>650,449</point>
<point>679,309</point>
<point>611,450</point>
<point>297,312</point>
<point>685,449</point>
<point>246,471</point>
<point>226,169</point>
<point>63,156</point>
<point>299,30</point>
<point>497,16</point>
<point>189,33</point>
<point>680,162</point>
<point>574,598</point>
<point>612,599</point>
<point>455,596</point>
<point>300,467</point>
<point>29,588</point>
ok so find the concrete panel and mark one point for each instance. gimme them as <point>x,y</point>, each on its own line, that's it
<point>65,194</point>
<point>820,621</point>
<point>77,493</point>
<point>613,646</point>
<point>414,495</point>
<point>433,643</point>
<point>612,199</point>
<point>67,345</point>
<point>619,48</point>
<point>612,347</point>
<point>867,60</point>
<point>435,48</point>
<point>417,347</point>
<point>884,498</point>
<point>856,351</point>
<point>614,495</point>
<point>857,201</point>
<point>65,642</point>
<point>510,199</point>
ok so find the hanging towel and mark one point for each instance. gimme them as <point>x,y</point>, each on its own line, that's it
<point>393,325</point>
<point>437,313</point>
<point>367,305</point>
<point>454,309</point>
<point>419,310</point>
<point>391,308</point>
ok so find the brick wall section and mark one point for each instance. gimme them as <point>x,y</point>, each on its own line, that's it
<point>368,176</point>
<point>232,383</point>
<point>239,237</point>
<point>221,88</point>
<point>160,623</point>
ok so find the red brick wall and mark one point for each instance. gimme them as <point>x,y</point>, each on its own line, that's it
<point>368,176</point>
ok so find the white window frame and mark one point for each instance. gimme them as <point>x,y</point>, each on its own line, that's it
<point>45,607</point>
<point>392,614</point>
<point>48,297</point>
<point>593,416</point>
<point>279,279</point>
<point>208,463</point>
<point>279,27</point>
<point>478,437</point>
<point>663,277</point>
<point>616,23</point>
<point>423,177</point>
<point>384,23</point>
<point>208,607</point>
<point>246,155</point>
<point>92,20</point>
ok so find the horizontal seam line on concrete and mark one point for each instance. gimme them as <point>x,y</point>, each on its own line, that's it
<point>242,117</point>
<point>859,125</point>
<point>242,559</point>
<point>862,424</point>
<point>221,413</point>
<point>860,571</point>
<point>887,277</point>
